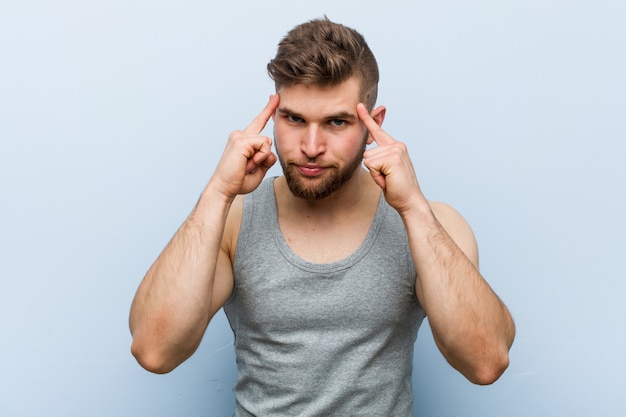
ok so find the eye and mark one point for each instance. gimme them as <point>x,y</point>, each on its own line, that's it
<point>294,119</point>
<point>337,122</point>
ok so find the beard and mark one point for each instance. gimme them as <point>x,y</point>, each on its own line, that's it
<point>319,188</point>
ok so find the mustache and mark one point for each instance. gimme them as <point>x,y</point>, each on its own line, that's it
<point>312,161</point>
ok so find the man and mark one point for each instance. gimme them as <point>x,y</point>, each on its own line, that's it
<point>325,273</point>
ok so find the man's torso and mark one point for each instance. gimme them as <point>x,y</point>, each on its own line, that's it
<point>333,338</point>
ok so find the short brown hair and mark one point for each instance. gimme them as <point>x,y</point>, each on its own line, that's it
<point>324,53</point>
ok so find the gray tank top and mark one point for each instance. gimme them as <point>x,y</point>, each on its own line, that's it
<point>330,339</point>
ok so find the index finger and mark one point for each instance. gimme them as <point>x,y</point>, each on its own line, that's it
<point>376,132</point>
<point>259,122</point>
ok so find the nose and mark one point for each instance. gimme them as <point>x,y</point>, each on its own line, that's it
<point>313,143</point>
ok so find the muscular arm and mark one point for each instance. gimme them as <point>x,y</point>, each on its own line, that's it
<point>471,326</point>
<point>192,278</point>
<point>181,292</point>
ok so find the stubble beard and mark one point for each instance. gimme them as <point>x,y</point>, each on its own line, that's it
<point>319,188</point>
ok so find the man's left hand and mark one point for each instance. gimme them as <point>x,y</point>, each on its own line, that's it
<point>390,165</point>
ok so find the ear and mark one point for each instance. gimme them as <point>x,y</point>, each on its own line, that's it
<point>378,114</point>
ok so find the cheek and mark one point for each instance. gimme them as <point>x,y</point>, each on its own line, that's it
<point>281,139</point>
<point>278,134</point>
<point>280,127</point>
<point>286,135</point>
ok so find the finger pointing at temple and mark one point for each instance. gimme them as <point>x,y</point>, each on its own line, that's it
<point>376,132</point>
<point>259,122</point>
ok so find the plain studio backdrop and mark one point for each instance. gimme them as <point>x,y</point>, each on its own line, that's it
<point>113,115</point>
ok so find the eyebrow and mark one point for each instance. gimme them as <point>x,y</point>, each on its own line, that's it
<point>340,115</point>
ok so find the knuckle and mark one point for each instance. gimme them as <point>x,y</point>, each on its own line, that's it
<point>400,147</point>
<point>235,134</point>
<point>238,136</point>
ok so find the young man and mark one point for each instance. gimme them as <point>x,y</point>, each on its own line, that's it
<point>325,273</point>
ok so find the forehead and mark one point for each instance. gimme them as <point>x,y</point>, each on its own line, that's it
<point>316,101</point>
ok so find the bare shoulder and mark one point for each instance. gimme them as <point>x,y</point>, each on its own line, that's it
<point>447,215</point>
<point>457,228</point>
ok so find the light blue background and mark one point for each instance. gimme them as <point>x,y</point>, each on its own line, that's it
<point>114,113</point>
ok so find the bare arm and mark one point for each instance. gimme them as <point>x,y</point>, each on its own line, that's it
<point>471,326</point>
<point>192,278</point>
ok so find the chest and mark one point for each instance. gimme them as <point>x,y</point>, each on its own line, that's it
<point>324,242</point>
<point>372,289</point>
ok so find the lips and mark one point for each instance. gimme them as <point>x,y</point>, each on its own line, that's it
<point>311,170</point>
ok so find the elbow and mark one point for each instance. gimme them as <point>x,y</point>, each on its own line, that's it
<point>151,359</point>
<point>481,365</point>
<point>157,351</point>
<point>494,361</point>
<point>489,371</point>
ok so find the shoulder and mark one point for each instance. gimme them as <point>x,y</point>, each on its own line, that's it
<point>446,213</point>
<point>457,228</point>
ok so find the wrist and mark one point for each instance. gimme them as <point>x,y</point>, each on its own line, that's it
<point>212,198</point>
<point>215,193</point>
<point>420,215</point>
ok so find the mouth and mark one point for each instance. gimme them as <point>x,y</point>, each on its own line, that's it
<point>311,170</point>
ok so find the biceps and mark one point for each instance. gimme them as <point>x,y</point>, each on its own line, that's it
<point>466,241</point>
<point>459,231</point>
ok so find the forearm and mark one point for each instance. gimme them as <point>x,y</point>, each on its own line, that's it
<point>192,278</point>
<point>170,311</point>
<point>471,326</point>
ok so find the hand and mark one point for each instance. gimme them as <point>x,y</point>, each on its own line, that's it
<point>390,165</point>
<point>247,156</point>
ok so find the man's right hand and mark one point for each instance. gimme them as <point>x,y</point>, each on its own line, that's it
<point>247,157</point>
